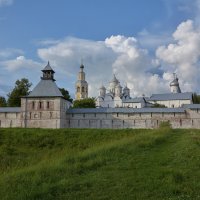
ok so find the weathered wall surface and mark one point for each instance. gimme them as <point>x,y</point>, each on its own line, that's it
<point>9,120</point>
<point>189,119</point>
<point>55,117</point>
<point>44,113</point>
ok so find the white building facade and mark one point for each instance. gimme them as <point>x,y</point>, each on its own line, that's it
<point>114,95</point>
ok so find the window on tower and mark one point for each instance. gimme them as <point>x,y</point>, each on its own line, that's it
<point>40,105</point>
<point>78,89</point>
<point>33,104</point>
<point>48,105</point>
<point>83,89</point>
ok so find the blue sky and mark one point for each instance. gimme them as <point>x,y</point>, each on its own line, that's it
<point>142,41</point>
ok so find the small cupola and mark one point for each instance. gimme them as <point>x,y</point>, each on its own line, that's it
<point>102,91</point>
<point>48,73</point>
<point>126,91</point>
<point>174,85</point>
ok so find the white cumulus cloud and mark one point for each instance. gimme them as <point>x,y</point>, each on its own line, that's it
<point>19,63</point>
<point>183,55</point>
<point>116,54</point>
<point>132,63</point>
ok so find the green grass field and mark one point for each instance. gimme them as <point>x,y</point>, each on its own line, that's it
<point>99,164</point>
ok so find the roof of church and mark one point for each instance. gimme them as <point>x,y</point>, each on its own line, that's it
<point>171,96</point>
<point>192,106</point>
<point>135,100</point>
<point>114,79</point>
<point>46,88</point>
<point>82,66</point>
<point>126,110</point>
<point>174,82</point>
<point>10,109</point>
<point>126,88</point>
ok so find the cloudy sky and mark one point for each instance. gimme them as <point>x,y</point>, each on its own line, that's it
<point>142,41</point>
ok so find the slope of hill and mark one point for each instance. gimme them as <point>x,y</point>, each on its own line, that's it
<point>99,164</point>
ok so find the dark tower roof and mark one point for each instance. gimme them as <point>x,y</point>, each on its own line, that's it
<point>48,68</point>
<point>47,86</point>
<point>81,66</point>
<point>48,73</point>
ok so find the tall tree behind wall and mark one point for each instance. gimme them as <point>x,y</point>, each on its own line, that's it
<point>3,102</point>
<point>196,98</point>
<point>84,103</point>
<point>21,89</point>
<point>66,95</point>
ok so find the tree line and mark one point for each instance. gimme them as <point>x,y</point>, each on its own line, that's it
<point>22,88</point>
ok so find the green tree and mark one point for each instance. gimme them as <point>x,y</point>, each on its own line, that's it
<point>66,95</point>
<point>156,105</point>
<point>84,103</point>
<point>21,89</point>
<point>196,98</point>
<point>3,102</point>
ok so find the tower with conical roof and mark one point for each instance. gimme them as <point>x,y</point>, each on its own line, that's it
<point>81,85</point>
<point>45,106</point>
<point>174,85</point>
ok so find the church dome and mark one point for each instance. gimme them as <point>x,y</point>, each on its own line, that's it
<point>102,87</point>
<point>174,85</point>
<point>102,91</point>
<point>118,86</point>
<point>126,88</point>
<point>113,83</point>
<point>174,82</point>
<point>126,91</point>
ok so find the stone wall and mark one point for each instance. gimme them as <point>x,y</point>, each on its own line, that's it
<point>189,119</point>
<point>41,118</point>
<point>10,119</point>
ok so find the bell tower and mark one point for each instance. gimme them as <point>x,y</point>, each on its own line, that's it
<point>81,85</point>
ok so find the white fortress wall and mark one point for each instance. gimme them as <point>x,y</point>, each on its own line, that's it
<point>180,118</point>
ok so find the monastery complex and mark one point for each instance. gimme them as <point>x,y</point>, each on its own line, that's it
<point>45,107</point>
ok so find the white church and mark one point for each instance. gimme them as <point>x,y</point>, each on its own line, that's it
<point>116,96</point>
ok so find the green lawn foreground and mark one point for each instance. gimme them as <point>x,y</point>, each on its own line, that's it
<point>99,164</point>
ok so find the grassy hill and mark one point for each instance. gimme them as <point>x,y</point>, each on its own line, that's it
<point>99,164</point>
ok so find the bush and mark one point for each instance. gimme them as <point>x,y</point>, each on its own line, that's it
<point>165,125</point>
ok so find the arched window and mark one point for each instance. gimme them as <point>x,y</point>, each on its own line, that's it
<point>78,89</point>
<point>83,89</point>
